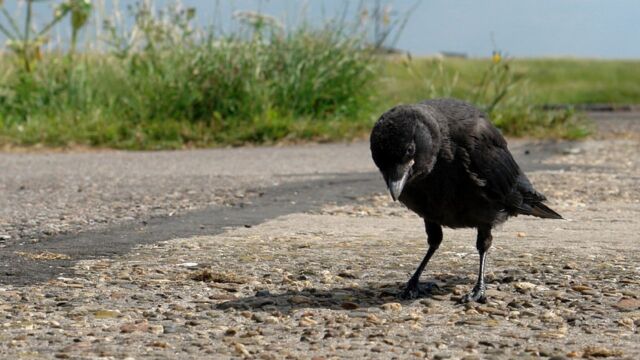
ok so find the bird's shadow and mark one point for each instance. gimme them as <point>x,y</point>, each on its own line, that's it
<point>342,298</point>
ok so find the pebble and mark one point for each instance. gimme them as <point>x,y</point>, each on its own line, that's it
<point>349,306</point>
<point>141,326</point>
<point>189,264</point>
<point>524,286</point>
<point>106,314</point>
<point>306,321</point>
<point>262,293</point>
<point>441,356</point>
<point>159,344</point>
<point>374,319</point>
<point>491,310</point>
<point>171,329</point>
<point>391,306</point>
<point>241,349</point>
<point>627,304</point>
<point>299,299</point>
<point>600,351</point>
<point>156,329</point>
<point>580,288</point>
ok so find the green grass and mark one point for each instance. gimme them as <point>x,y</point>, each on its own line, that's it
<point>308,84</point>
<point>307,88</point>
<point>549,81</point>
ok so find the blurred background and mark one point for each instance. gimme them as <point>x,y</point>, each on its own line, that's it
<point>174,74</point>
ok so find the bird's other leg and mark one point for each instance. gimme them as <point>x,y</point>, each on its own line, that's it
<point>434,238</point>
<point>483,243</point>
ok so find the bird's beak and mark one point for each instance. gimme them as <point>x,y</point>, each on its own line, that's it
<point>398,179</point>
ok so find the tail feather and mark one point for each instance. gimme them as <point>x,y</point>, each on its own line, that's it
<point>543,211</point>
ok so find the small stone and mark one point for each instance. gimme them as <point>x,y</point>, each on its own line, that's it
<point>600,351</point>
<point>572,151</point>
<point>428,303</point>
<point>106,314</point>
<point>557,334</point>
<point>170,329</point>
<point>524,286</point>
<point>470,357</point>
<point>580,288</point>
<point>549,316</point>
<point>241,349</point>
<point>188,264</point>
<point>391,306</point>
<point>627,304</point>
<point>299,299</point>
<point>521,234</point>
<point>496,294</point>
<point>262,293</point>
<point>141,326</point>
<point>156,329</point>
<point>373,319</point>
<point>307,321</point>
<point>348,275</point>
<point>441,356</point>
<point>349,305</point>
<point>491,310</point>
<point>159,344</point>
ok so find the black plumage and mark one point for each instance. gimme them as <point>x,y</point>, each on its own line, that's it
<point>444,160</point>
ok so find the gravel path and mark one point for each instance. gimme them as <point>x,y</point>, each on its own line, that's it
<point>320,282</point>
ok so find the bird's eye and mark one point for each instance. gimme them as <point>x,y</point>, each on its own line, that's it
<point>411,150</point>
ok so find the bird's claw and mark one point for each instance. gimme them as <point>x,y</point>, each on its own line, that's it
<point>415,291</point>
<point>476,295</point>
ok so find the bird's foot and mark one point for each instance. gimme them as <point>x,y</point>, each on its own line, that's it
<point>476,295</point>
<point>415,290</point>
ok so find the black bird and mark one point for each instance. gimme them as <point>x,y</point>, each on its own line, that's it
<point>445,161</point>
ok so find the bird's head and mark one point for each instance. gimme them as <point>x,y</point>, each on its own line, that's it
<point>404,145</point>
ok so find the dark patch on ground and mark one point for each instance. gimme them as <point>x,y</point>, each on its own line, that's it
<point>272,202</point>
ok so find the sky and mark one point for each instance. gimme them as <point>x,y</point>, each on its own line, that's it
<point>520,28</point>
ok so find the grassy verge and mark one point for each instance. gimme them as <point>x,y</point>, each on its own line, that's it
<point>549,81</point>
<point>174,86</point>
<point>177,87</point>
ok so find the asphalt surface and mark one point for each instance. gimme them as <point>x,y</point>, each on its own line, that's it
<point>104,203</point>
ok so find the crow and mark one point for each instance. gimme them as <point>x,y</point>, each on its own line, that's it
<point>444,160</point>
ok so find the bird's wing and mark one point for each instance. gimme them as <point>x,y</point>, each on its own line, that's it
<point>487,159</point>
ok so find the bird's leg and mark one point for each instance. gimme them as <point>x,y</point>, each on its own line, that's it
<point>434,238</point>
<point>483,243</point>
